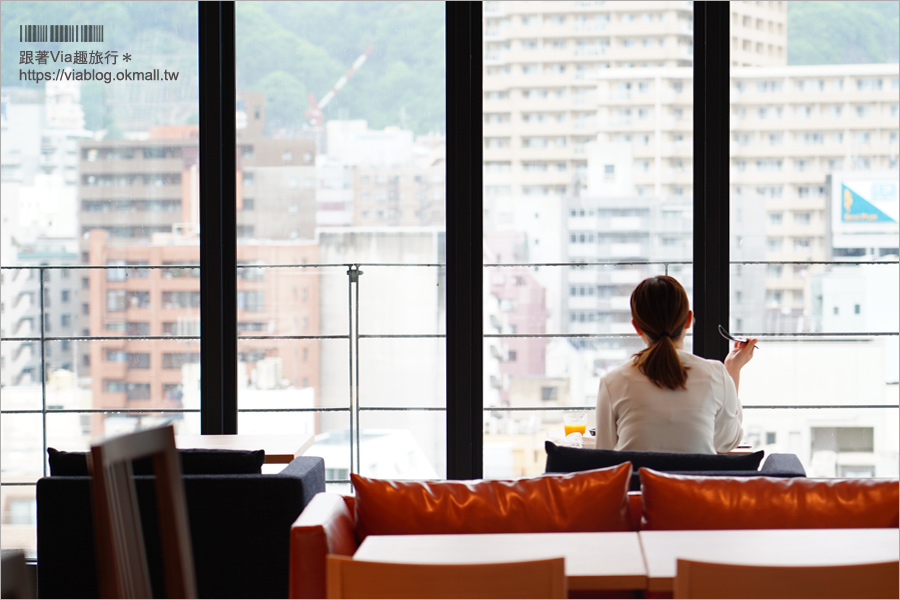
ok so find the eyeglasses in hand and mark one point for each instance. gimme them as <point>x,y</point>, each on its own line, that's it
<point>724,333</point>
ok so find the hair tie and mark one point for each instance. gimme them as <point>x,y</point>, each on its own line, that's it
<point>665,334</point>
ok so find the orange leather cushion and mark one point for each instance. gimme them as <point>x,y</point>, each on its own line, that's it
<point>692,502</point>
<point>584,501</point>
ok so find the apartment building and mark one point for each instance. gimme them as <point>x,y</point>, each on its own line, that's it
<point>371,178</point>
<point>541,62</point>
<point>135,189</point>
<point>792,127</point>
<point>164,305</point>
<point>30,310</point>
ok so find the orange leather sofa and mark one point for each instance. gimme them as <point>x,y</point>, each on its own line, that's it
<point>328,524</point>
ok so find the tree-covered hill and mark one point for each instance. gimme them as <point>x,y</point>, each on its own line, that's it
<point>304,47</point>
<point>287,50</point>
<point>844,32</point>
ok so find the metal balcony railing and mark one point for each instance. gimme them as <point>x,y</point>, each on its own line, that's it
<point>354,407</point>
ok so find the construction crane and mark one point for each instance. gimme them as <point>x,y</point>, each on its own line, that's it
<point>314,114</point>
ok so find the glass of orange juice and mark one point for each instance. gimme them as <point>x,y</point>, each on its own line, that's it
<point>575,422</point>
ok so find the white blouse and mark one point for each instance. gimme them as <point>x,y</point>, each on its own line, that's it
<point>635,414</point>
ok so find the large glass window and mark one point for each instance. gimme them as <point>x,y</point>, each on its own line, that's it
<point>814,271</point>
<point>99,189</point>
<point>341,196</point>
<point>595,194</point>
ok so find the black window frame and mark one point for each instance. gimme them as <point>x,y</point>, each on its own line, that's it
<point>218,241</point>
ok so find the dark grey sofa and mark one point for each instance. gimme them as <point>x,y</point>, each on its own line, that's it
<point>562,459</point>
<point>240,531</point>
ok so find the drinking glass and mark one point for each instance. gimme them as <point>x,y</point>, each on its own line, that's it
<point>575,422</point>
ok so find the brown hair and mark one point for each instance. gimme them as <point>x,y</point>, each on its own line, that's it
<point>659,307</point>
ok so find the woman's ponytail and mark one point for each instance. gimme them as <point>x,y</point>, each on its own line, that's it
<point>659,308</point>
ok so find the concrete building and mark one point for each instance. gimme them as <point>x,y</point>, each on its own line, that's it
<point>541,62</point>
<point>276,195</point>
<point>147,374</point>
<point>792,127</point>
<point>523,304</point>
<point>380,178</point>
<point>23,314</point>
<point>135,189</point>
<point>41,130</point>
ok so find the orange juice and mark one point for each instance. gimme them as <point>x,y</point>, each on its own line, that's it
<point>573,428</point>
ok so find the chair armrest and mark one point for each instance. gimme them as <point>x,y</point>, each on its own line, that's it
<point>311,469</point>
<point>326,526</point>
<point>784,464</point>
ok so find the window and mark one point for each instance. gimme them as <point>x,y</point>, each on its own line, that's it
<point>267,362</point>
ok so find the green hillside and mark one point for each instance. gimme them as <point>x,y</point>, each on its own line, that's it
<point>288,50</point>
<point>846,32</point>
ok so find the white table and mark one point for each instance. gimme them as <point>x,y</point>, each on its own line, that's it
<point>279,448</point>
<point>594,561</point>
<point>764,547</point>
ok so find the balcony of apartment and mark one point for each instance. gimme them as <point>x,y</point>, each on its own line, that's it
<point>672,176</point>
<point>642,151</point>
<point>549,177</point>
<point>673,123</point>
<point>653,54</point>
<point>550,153</point>
<point>752,176</point>
<point>583,303</point>
<point>789,202</point>
<point>503,129</point>
<point>113,369</point>
<point>136,164</point>
<point>681,149</point>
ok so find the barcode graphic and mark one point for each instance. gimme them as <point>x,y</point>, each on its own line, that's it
<point>60,33</point>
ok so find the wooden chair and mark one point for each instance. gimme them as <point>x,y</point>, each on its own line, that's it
<point>696,579</point>
<point>348,578</point>
<point>121,556</point>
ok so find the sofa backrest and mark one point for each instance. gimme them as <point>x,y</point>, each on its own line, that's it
<point>194,461</point>
<point>583,501</point>
<point>564,459</point>
<point>673,501</point>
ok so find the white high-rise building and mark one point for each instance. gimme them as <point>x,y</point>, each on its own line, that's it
<point>541,63</point>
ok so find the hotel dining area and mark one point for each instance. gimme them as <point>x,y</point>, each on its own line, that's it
<point>499,299</point>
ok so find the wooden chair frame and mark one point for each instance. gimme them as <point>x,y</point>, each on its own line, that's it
<point>696,579</point>
<point>348,578</point>
<point>121,555</point>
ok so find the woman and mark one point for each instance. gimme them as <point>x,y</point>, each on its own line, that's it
<point>666,399</point>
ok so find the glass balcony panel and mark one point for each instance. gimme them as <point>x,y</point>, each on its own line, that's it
<point>514,440</point>
<point>403,444</point>
<point>22,452</point>
<point>335,444</point>
<point>830,442</point>
<point>341,150</point>
<point>402,372</point>
<point>400,300</point>
<point>19,517</point>
<point>276,374</point>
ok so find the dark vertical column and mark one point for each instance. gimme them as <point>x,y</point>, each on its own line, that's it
<point>711,163</point>
<point>464,241</point>
<point>218,248</point>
